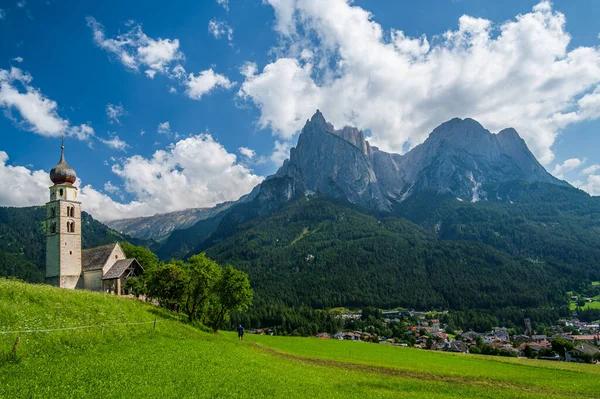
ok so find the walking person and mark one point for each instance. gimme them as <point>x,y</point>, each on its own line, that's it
<point>240,332</point>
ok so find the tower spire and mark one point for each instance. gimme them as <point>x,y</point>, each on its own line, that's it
<point>62,173</point>
<point>62,148</point>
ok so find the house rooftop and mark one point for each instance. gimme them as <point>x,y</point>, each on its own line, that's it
<point>95,258</point>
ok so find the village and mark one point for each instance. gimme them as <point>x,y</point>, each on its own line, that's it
<point>572,340</point>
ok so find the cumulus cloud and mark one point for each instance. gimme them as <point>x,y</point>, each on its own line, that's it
<point>590,180</point>
<point>281,152</point>
<point>18,59</point>
<point>194,172</point>
<point>591,170</point>
<point>114,112</point>
<point>111,188</point>
<point>115,143</point>
<point>37,113</point>
<point>137,51</point>
<point>520,73</point>
<point>205,82</point>
<point>219,29</point>
<point>247,152</point>
<point>592,185</point>
<point>27,187</point>
<point>164,128</point>
<point>567,166</point>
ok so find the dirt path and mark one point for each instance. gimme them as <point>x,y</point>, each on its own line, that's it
<point>491,384</point>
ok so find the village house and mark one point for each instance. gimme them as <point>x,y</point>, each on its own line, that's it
<point>582,353</point>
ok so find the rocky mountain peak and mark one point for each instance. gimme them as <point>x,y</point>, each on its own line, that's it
<point>458,157</point>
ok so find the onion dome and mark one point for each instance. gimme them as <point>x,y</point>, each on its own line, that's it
<point>63,173</point>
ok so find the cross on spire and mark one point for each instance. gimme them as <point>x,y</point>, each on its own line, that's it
<point>62,139</point>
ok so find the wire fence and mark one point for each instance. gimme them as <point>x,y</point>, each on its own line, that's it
<point>12,355</point>
<point>79,327</point>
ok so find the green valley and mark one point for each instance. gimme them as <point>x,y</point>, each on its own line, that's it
<point>182,360</point>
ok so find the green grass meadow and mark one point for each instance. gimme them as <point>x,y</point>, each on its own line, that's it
<point>177,360</point>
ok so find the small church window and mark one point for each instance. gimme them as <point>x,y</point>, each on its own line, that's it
<point>70,252</point>
<point>116,256</point>
<point>52,212</point>
<point>52,227</point>
<point>60,192</point>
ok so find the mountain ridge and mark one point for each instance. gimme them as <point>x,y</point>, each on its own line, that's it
<point>459,157</point>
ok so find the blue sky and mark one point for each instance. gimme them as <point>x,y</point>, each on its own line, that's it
<point>236,79</point>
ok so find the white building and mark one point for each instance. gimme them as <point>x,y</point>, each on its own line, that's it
<point>104,268</point>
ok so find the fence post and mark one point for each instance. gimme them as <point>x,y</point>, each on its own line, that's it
<point>15,346</point>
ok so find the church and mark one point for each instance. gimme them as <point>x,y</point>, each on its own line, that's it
<point>104,268</point>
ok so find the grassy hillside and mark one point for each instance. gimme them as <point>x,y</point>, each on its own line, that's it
<point>178,360</point>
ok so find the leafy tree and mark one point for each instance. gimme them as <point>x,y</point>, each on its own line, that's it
<point>233,292</point>
<point>167,284</point>
<point>203,273</point>
<point>146,258</point>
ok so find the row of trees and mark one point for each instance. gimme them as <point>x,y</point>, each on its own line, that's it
<point>200,287</point>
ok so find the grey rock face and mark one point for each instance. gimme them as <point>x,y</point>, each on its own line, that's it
<point>458,158</point>
<point>334,163</point>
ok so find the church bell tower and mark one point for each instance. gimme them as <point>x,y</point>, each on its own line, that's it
<point>63,228</point>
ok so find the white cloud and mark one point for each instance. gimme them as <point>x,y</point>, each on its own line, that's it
<point>281,152</point>
<point>224,4</point>
<point>136,50</point>
<point>115,143</point>
<point>194,172</point>
<point>591,182</point>
<point>592,186</point>
<point>82,132</point>
<point>164,128</point>
<point>21,4</point>
<point>249,69</point>
<point>247,152</point>
<point>591,170</point>
<point>2,14</point>
<point>142,132</point>
<point>567,166</point>
<point>111,188</point>
<point>18,59</point>
<point>113,112</point>
<point>520,73</point>
<point>38,113</point>
<point>205,82</point>
<point>220,29</point>
<point>27,188</point>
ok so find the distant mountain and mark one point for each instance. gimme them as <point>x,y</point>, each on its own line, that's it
<point>23,246</point>
<point>160,226</point>
<point>460,158</point>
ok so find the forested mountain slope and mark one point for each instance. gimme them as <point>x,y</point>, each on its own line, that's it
<point>318,252</point>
